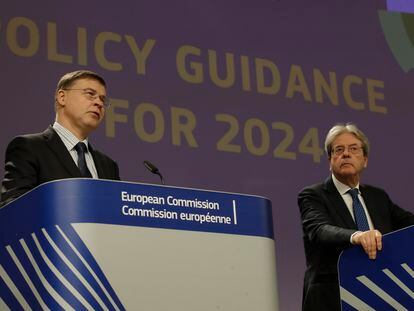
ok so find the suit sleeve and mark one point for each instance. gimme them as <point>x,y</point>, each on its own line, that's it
<point>20,171</point>
<point>116,172</point>
<point>106,167</point>
<point>400,218</point>
<point>318,221</point>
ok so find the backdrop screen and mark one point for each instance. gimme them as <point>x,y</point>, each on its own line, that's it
<point>225,95</point>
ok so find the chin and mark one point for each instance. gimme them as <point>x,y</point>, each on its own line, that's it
<point>92,125</point>
<point>347,172</point>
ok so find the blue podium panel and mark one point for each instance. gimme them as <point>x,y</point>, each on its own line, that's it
<point>386,283</point>
<point>95,244</point>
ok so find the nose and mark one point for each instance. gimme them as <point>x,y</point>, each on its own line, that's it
<point>98,102</point>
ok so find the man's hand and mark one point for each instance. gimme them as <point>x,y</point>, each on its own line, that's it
<point>370,240</point>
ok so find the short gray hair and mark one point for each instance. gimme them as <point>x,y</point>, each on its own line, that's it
<point>69,78</point>
<point>339,129</point>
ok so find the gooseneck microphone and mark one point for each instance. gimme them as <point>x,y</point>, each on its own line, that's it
<point>153,169</point>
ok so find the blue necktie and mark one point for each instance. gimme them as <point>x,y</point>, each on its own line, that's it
<point>359,213</point>
<point>81,149</point>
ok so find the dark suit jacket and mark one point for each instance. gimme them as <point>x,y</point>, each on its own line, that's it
<point>327,228</point>
<point>37,158</point>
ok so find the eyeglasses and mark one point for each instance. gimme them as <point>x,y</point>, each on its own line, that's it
<point>339,150</point>
<point>92,94</point>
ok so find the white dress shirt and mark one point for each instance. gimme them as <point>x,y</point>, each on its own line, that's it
<point>70,141</point>
<point>343,190</point>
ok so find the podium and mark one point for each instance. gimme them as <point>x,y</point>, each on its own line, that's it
<point>386,283</point>
<point>107,245</point>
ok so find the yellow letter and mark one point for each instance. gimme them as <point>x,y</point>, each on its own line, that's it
<point>34,38</point>
<point>100,42</point>
<point>372,95</point>
<point>197,75</point>
<point>141,56</point>
<point>346,87</point>
<point>274,87</point>
<point>158,131</point>
<point>52,53</point>
<point>82,46</point>
<point>186,128</point>
<point>245,72</point>
<point>212,60</point>
<point>111,117</point>
<point>331,89</point>
<point>297,83</point>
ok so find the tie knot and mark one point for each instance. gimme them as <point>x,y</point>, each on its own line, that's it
<point>80,147</point>
<point>353,192</point>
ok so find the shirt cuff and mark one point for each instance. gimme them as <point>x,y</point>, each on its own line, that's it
<point>352,235</point>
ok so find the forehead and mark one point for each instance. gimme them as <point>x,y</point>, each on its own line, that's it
<point>89,83</point>
<point>346,139</point>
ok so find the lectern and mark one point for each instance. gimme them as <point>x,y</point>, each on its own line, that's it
<point>79,244</point>
<point>386,283</point>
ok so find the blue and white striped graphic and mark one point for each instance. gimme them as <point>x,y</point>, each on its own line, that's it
<point>55,255</point>
<point>386,283</point>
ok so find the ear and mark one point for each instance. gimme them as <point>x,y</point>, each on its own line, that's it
<point>61,98</point>
<point>366,162</point>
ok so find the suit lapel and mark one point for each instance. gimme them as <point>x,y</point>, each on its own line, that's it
<point>370,204</point>
<point>338,204</point>
<point>98,163</point>
<point>59,149</point>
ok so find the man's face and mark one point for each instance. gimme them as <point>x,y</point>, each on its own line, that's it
<point>81,106</point>
<point>347,158</point>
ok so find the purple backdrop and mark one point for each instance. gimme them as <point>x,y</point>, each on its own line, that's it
<point>264,140</point>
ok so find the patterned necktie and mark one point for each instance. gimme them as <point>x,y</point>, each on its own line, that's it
<point>359,213</point>
<point>81,149</point>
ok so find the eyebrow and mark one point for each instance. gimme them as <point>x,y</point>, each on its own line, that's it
<point>96,92</point>
<point>351,145</point>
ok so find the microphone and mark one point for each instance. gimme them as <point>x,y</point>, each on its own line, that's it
<point>153,169</point>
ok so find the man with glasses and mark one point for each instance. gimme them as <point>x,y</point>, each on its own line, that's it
<point>340,212</point>
<point>62,150</point>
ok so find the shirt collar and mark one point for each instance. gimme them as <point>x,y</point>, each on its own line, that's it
<point>68,138</point>
<point>342,188</point>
